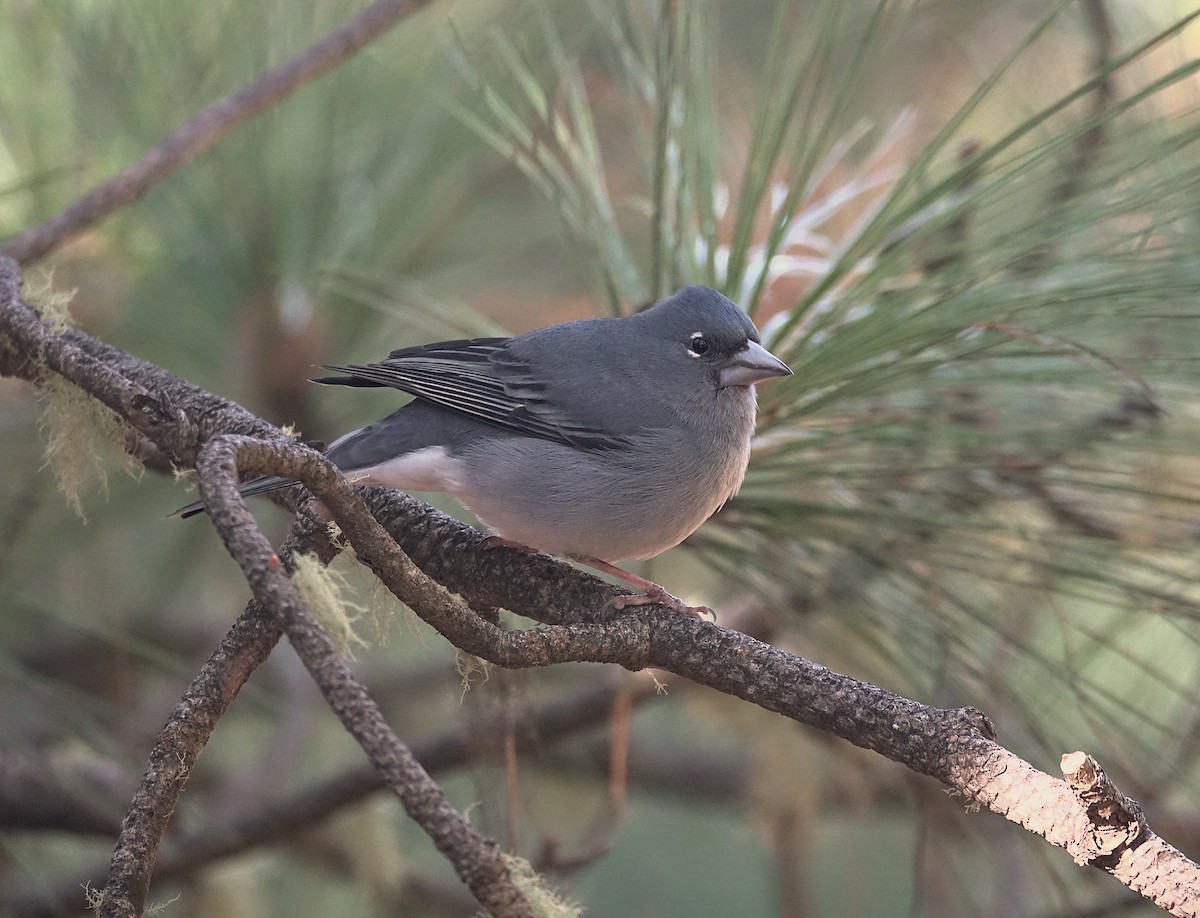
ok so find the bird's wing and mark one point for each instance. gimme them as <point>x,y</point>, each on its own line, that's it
<point>480,377</point>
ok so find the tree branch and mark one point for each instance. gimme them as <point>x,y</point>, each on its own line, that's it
<point>243,649</point>
<point>538,726</point>
<point>476,858</point>
<point>179,744</point>
<point>207,127</point>
<point>956,746</point>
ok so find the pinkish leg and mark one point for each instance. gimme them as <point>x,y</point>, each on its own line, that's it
<point>650,593</point>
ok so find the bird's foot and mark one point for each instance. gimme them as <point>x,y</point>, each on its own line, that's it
<point>655,595</point>
<point>648,592</point>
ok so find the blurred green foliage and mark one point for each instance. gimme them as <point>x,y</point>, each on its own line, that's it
<point>969,227</point>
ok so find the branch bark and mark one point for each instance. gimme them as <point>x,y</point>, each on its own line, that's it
<point>179,744</point>
<point>476,858</point>
<point>955,746</point>
<point>538,726</point>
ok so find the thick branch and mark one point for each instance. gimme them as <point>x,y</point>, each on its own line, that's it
<point>172,414</point>
<point>1119,841</point>
<point>476,858</point>
<point>207,127</point>
<point>955,746</point>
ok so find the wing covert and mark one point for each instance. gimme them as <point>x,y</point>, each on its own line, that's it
<point>479,377</point>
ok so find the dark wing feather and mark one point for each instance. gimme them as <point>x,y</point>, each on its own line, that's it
<point>477,377</point>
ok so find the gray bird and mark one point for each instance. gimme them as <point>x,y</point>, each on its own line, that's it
<point>600,440</point>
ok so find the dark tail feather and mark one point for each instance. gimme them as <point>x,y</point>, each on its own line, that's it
<point>346,381</point>
<point>249,489</point>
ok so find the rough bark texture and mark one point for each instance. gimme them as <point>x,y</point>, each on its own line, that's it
<point>424,557</point>
<point>179,744</point>
<point>279,821</point>
<point>476,858</point>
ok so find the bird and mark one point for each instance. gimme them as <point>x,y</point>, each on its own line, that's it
<point>599,440</point>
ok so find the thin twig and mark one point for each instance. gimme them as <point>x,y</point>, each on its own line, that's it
<point>207,127</point>
<point>538,726</point>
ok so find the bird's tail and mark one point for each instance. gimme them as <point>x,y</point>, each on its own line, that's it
<point>249,489</point>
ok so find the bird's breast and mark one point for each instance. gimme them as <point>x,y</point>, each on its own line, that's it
<point>635,501</point>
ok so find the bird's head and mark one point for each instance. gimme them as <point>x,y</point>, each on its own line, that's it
<point>705,330</point>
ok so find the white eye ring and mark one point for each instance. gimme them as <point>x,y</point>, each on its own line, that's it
<point>698,345</point>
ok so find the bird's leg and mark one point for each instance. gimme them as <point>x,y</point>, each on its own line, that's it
<point>649,592</point>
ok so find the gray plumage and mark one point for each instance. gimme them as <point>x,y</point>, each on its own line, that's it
<point>605,438</point>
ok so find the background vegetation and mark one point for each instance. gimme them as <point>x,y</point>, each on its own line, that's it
<point>969,227</point>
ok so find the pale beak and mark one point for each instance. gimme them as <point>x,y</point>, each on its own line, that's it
<point>752,364</point>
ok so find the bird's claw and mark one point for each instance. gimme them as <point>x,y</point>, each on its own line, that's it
<point>657,596</point>
<point>648,592</point>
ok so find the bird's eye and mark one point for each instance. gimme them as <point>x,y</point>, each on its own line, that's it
<point>699,345</point>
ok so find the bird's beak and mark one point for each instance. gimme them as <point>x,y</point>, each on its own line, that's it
<point>750,365</point>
